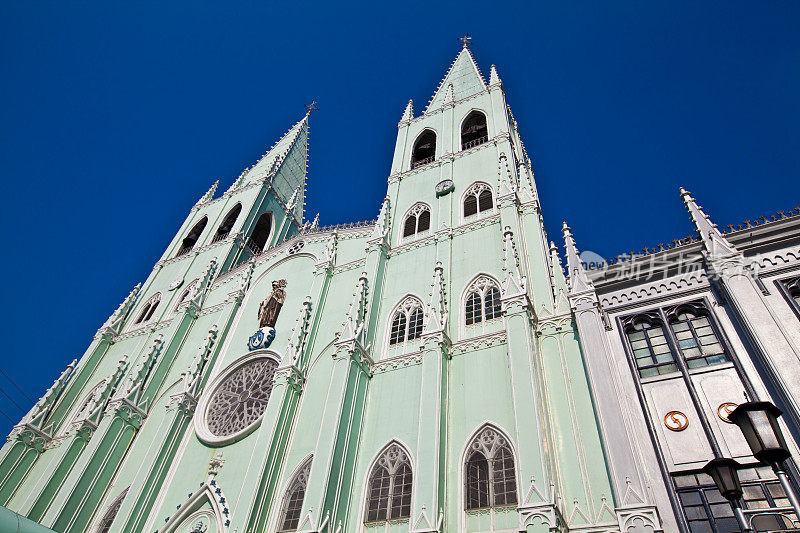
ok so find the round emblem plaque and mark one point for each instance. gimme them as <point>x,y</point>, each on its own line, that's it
<point>676,421</point>
<point>724,410</point>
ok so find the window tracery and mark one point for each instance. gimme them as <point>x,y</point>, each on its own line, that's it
<point>186,292</point>
<point>418,220</point>
<point>149,308</point>
<point>482,304</point>
<point>490,478</point>
<point>406,322</point>
<point>242,397</point>
<point>293,503</point>
<point>389,486</point>
<point>695,336</point>
<point>111,513</point>
<point>648,342</point>
<point>478,199</point>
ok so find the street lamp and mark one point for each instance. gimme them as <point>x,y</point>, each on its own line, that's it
<point>759,424</point>
<point>726,477</point>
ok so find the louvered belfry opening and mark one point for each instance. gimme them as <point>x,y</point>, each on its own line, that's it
<point>258,239</point>
<point>424,149</point>
<point>227,225</point>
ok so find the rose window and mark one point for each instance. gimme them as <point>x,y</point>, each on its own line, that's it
<point>241,398</point>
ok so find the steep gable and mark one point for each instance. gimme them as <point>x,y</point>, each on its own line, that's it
<point>463,79</point>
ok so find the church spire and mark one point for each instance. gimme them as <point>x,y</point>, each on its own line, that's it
<point>494,79</point>
<point>715,243</point>
<point>462,80</point>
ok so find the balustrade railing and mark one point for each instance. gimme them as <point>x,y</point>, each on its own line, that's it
<point>220,236</point>
<point>474,142</point>
<point>420,162</point>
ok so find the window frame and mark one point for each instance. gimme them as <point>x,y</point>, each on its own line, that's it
<point>461,130</point>
<point>490,458</point>
<point>217,235</point>
<point>478,214</point>
<point>300,475</point>
<point>414,165</point>
<point>182,248</point>
<point>374,467</point>
<point>485,325</point>
<point>416,210</point>
<point>404,306</point>
<point>147,311</point>
<point>785,286</point>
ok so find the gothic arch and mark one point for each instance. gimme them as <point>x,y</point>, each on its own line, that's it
<point>185,293</point>
<point>148,309</point>
<point>193,509</point>
<point>415,222</point>
<point>423,151</point>
<point>404,305</point>
<point>477,190</point>
<point>374,463</point>
<point>228,222</point>
<point>192,237</point>
<point>107,519</point>
<point>466,452</point>
<point>476,121</point>
<point>261,233</point>
<point>462,302</point>
<point>298,478</point>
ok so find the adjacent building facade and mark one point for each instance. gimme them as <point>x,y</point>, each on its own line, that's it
<point>433,370</point>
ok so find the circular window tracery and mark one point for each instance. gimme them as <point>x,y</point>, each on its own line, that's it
<point>241,398</point>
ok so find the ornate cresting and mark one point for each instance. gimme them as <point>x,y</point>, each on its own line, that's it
<point>113,326</point>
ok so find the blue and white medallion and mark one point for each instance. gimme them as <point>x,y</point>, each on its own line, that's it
<point>262,338</point>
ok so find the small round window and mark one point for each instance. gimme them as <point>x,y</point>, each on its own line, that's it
<point>296,247</point>
<point>237,402</point>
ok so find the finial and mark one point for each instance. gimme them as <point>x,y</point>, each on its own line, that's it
<point>465,40</point>
<point>311,107</point>
<point>494,78</point>
<point>408,114</point>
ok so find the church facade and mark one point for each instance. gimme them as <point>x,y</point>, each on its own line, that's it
<point>432,371</point>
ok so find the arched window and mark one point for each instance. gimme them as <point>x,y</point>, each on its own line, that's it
<point>649,346</point>
<point>293,501</point>
<point>406,322</point>
<point>695,335</point>
<point>473,130</point>
<point>227,224</point>
<point>418,220</point>
<point>389,489</point>
<point>424,149</point>
<point>149,308</point>
<point>489,473</point>
<point>258,239</point>
<point>111,513</point>
<point>792,287</point>
<point>190,240</point>
<point>186,292</point>
<point>478,199</point>
<point>482,302</point>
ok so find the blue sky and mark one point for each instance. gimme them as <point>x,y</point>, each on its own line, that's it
<point>115,117</point>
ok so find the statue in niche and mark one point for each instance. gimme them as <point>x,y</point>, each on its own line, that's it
<point>270,308</point>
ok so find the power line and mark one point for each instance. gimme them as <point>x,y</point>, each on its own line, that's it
<point>12,400</point>
<point>9,418</point>
<point>15,386</point>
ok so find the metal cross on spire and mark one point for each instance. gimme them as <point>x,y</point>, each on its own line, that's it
<point>311,107</point>
<point>465,40</point>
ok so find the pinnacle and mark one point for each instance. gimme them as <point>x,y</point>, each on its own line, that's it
<point>408,114</point>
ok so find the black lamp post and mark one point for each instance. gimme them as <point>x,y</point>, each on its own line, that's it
<point>725,474</point>
<point>759,424</point>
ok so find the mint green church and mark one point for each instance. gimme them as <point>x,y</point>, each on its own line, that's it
<point>430,371</point>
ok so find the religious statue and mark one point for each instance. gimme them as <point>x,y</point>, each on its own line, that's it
<point>269,308</point>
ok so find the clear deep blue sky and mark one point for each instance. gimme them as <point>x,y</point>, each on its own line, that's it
<point>116,116</point>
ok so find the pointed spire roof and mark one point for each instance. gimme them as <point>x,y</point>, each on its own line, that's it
<point>408,114</point>
<point>578,279</point>
<point>714,241</point>
<point>463,79</point>
<point>288,160</point>
<point>494,79</point>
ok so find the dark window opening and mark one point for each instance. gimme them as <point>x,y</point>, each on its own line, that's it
<point>258,239</point>
<point>227,224</point>
<point>389,489</point>
<point>424,149</point>
<point>190,240</point>
<point>473,130</point>
<point>418,220</point>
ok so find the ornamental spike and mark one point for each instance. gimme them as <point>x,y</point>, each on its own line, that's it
<point>436,313</point>
<point>408,114</point>
<point>504,173</point>
<point>200,288</point>
<point>297,342</point>
<point>382,224</point>
<point>37,416</point>
<point>494,79</point>
<point>514,283</point>
<point>353,327</point>
<point>578,278</point>
<point>191,378</point>
<point>208,195</point>
<point>715,243</point>
<point>114,322</point>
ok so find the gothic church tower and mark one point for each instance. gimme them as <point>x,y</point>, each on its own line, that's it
<point>421,373</point>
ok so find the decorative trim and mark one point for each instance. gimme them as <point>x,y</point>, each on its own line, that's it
<point>481,341</point>
<point>398,361</point>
